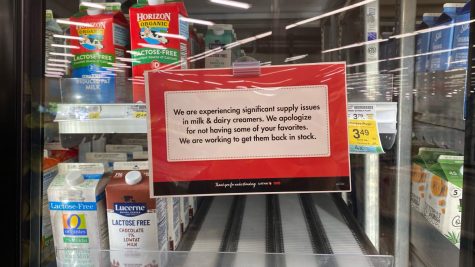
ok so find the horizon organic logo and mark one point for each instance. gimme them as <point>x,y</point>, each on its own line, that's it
<point>154,16</point>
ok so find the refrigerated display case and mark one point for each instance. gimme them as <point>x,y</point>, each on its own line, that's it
<point>79,95</point>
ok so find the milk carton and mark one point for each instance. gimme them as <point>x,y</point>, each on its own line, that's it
<point>135,220</point>
<point>423,40</point>
<point>218,36</point>
<point>441,40</point>
<point>444,201</point>
<point>459,55</point>
<point>105,37</point>
<point>50,170</point>
<point>107,159</point>
<point>421,174</point>
<point>128,149</point>
<point>78,214</point>
<point>159,38</point>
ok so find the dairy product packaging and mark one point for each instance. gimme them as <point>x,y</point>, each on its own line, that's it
<point>63,155</point>
<point>421,174</point>
<point>78,216</point>
<point>50,170</point>
<point>128,149</point>
<point>135,141</point>
<point>158,38</point>
<point>459,55</point>
<point>174,222</point>
<point>441,40</point>
<point>218,36</point>
<point>135,220</point>
<point>444,199</point>
<point>107,159</point>
<point>423,41</point>
<point>105,36</point>
<point>140,156</point>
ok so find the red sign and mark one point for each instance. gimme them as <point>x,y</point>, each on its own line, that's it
<point>282,131</point>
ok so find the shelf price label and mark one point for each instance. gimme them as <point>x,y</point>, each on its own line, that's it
<point>140,114</point>
<point>364,136</point>
<point>94,115</point>
<point>361,112</point>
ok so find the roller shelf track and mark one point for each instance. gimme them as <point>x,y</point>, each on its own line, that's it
<point>292,224</point>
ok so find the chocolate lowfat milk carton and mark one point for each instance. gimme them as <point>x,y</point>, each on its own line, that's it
<point>158,38</point>
<point>105,37</point>
<point>135,220</point>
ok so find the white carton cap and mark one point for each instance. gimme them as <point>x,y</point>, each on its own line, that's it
<point>74,178</point>
<point>133,177</point>
<point>454,5</point>
<point>155,2</point>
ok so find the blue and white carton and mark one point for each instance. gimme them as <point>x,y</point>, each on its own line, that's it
<point>441,40</point>
<point>459,55</point>
<point>78,212</point>
<point>423,41</point>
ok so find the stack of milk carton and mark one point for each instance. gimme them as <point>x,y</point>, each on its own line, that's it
<point>436,190</point>
<point>442,43</point>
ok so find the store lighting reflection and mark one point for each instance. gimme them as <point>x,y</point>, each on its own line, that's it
<point>93,5</point>
<point>68,37</point>
<point>61,54</point>
<point>197,21</point>
<point>75,23</point>
<point>57,65</point>
<point>152,46</point>
<point>59,60</point>
<point>290,26</point>
<point>55,69</point>
<point>171,35</point>
<point>295,58</point>
<point>65,46</point>
<point>232,3</point>
<point>214,83</point>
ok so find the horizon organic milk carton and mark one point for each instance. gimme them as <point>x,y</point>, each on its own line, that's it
<point>105,37</point>
<point>158,38</point>
<point>77,211</point>
<point>135,220</point>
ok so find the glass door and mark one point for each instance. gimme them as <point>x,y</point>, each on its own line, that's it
<point>393,187</point>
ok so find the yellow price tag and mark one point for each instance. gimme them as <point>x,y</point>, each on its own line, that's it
<point>140,114</point>
<point>364,133</point>
<point>94,115</point>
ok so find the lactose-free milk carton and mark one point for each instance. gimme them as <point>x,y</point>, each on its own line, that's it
<point>103,36</point>
<point>444,199</point>
<point>423,41</point>
<point>218,36</point>
<point>459,55</point>
<point>78,216</point>
<point>441,40</point>
<point>159,37</point>
<point>133,217</point>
